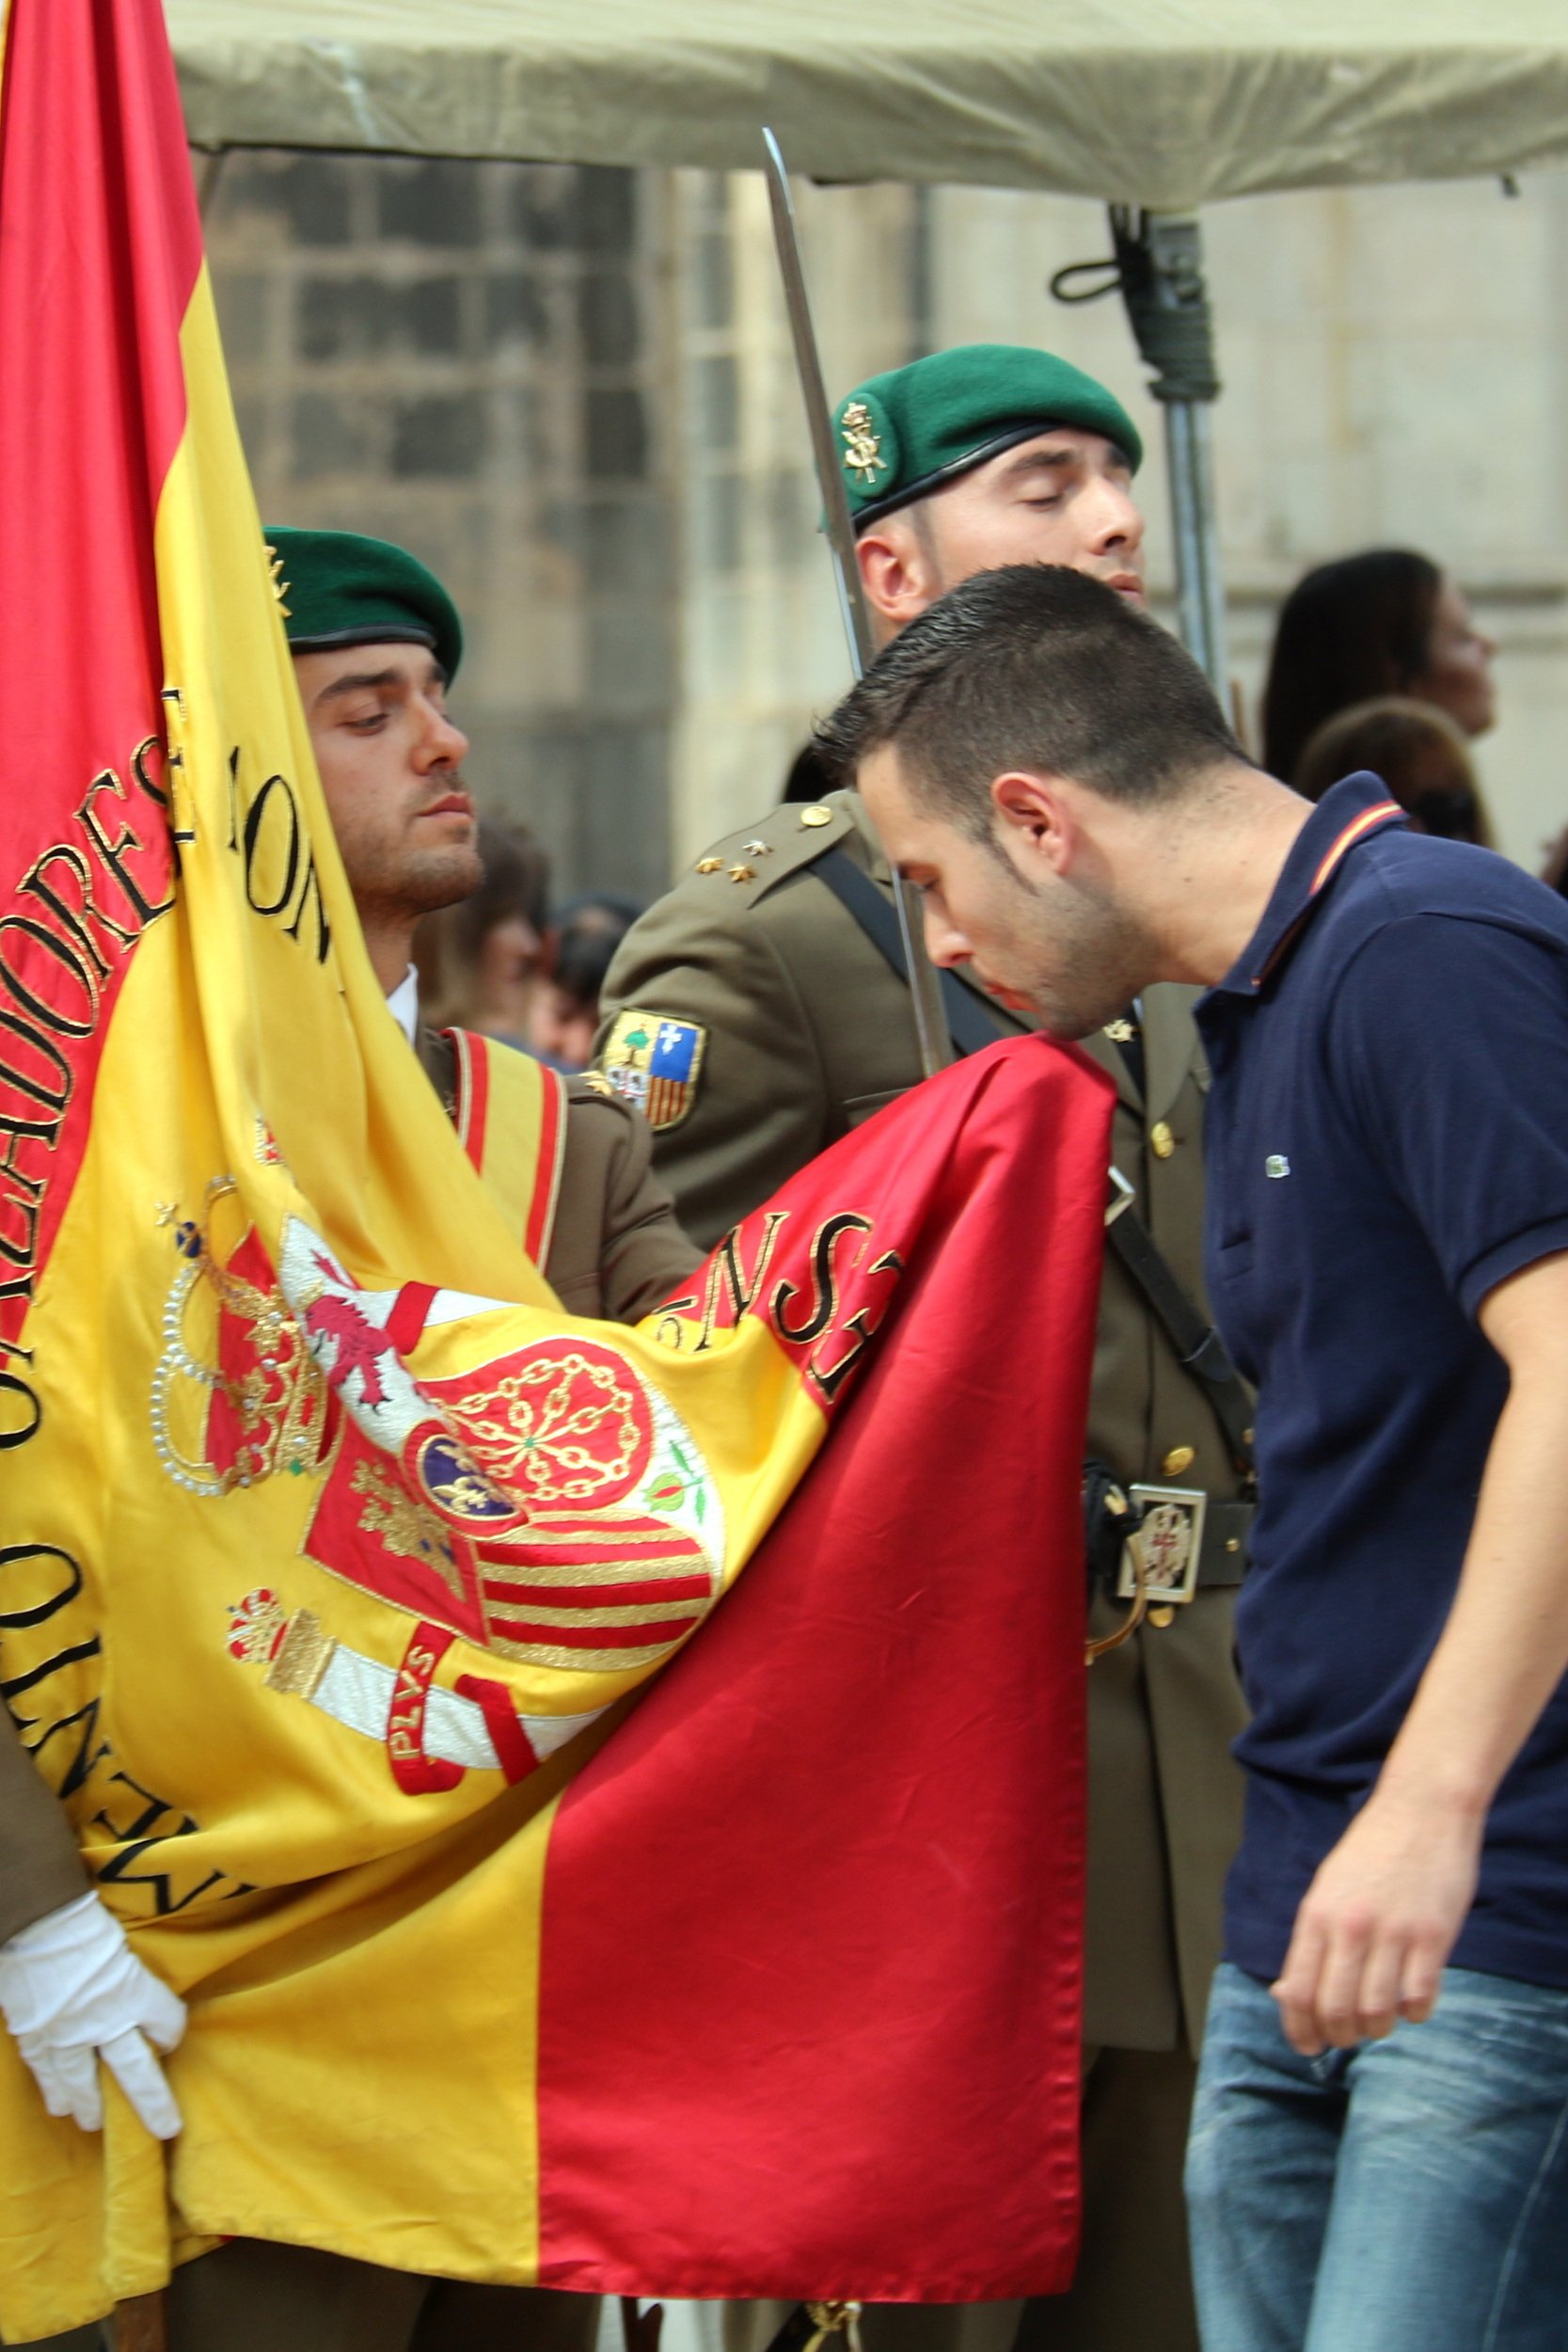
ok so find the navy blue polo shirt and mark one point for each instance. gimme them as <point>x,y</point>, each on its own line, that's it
<point>1386,1141</point>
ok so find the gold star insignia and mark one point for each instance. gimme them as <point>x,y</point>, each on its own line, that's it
<point>709,865</point>
<point>743,873</point>
<point>1120,1032</point>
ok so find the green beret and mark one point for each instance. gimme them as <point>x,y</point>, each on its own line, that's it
<point>906,433</point>
<point>339,589</point>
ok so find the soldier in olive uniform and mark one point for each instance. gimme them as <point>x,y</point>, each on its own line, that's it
<point>756,1019</point>
<point>376,640</point>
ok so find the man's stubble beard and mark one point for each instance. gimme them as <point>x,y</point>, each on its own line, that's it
<point>1098,962</point>
<point>415,883</point>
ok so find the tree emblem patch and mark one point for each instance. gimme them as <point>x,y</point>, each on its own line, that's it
<point>653,1064</point>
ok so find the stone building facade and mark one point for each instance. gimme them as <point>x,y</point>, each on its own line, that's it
<point>571,390</point>
<point>475,359</point>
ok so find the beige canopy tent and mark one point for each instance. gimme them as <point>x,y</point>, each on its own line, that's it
<point>1166,103</point>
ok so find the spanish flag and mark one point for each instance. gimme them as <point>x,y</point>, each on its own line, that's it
<point>541,1918</point>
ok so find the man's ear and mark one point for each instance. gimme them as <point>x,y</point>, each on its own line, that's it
<point>896,571</point>
<point>1036,819</point>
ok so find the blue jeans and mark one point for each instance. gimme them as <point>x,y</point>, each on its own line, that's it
<point>1409,2195</point>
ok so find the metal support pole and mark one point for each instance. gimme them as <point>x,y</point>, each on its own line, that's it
<point>1157,266</point>
<point>930,1019</point>
<point>1200,585</point>
<point>1178,290</point>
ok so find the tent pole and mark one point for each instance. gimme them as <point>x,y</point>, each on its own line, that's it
<point>931,1016</point>
<point>1199,584</point>
<point>1160,271</point>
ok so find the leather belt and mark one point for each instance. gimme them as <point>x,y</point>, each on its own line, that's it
<point>1226,1533</point>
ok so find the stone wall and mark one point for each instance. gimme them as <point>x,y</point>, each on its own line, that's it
<point>471,358</point>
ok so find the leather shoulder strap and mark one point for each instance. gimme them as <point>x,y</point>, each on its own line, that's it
<point>969,1025</point>
<point>509,1113</point>
<point>1198,1346</point>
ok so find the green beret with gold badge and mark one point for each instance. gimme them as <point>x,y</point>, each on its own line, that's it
<point>336,588</point>
<point>903,434</point>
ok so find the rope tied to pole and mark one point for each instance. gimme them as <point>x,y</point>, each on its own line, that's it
<point>1157,268</point>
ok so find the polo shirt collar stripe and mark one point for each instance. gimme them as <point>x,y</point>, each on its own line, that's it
<point>1350,812</point>
<point>1352,832</point>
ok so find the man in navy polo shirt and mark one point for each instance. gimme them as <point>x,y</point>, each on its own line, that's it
<point>1379,2160</point>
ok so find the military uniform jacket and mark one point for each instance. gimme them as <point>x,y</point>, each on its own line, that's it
<point>802,1031</point>
<point>615,1251</point>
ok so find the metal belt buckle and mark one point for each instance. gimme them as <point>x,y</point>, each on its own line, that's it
<point>1172,1537</point>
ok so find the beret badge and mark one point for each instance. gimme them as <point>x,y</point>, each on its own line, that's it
<point>863,444</point>
<point>279,586</point>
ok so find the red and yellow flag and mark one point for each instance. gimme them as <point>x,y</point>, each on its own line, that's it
<point>335,1554</point>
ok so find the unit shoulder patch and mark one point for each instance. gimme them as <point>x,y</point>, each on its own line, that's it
<point>653,1064</point>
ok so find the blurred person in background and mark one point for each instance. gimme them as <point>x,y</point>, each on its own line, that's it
<point>1386,622</point>
<point>1416,751</point>
<point>481,962</point>
<point>565,1015</point>
<point>810,779</point>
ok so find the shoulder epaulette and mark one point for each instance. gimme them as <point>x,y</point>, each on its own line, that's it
<point>744,867</point>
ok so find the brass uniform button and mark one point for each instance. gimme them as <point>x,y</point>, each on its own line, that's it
<point>1181,1458</point>
<point>815,815</point>
<point>709,865</point>
<point>1161,1142</point>
<point>1162,1614</point>
<point>1233,1543</point>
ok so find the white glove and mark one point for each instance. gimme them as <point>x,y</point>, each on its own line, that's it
<point>73,1992</point>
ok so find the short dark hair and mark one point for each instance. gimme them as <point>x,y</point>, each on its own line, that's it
<point>1032,667</point>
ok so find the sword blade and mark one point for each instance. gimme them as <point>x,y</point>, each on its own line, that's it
<point>930,1023</point>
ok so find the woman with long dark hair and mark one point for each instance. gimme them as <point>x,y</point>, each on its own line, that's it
<point>1386,622</point>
